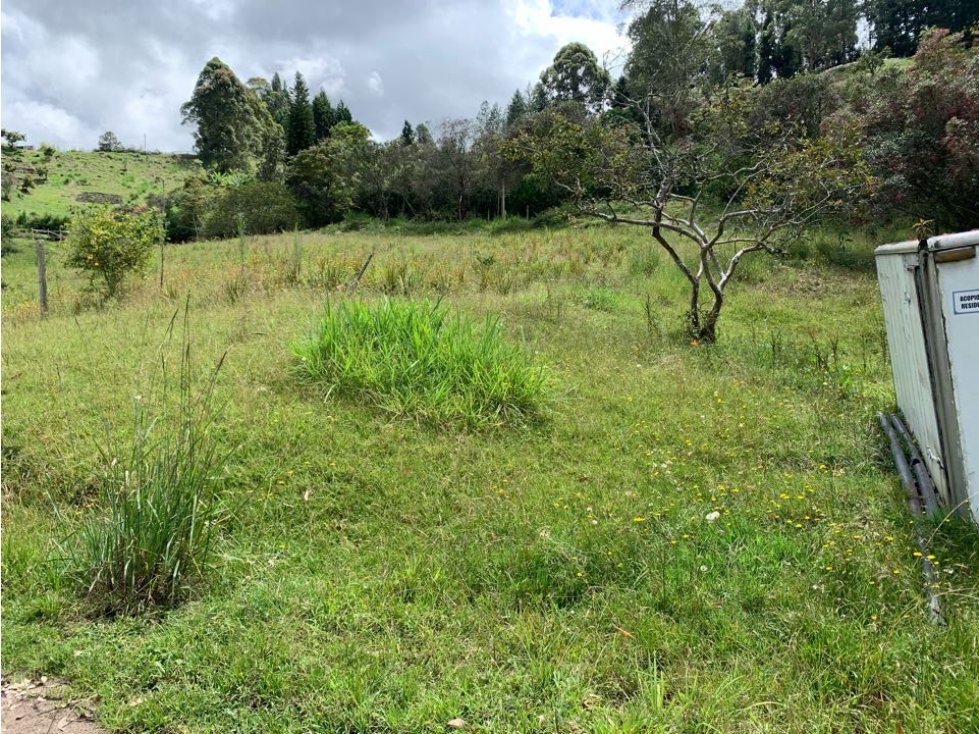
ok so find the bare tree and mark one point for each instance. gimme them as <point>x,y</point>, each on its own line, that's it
<point>628,173</point>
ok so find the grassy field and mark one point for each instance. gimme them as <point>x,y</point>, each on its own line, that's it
<point>377,572</point>
<point>131,176</point>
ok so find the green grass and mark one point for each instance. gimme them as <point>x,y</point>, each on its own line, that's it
<point>386,574</point>
<point>418,359</point>
<point>131,176</point>
<point>151,542</point>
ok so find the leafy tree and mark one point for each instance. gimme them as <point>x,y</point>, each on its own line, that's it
<point>825,31</point>
<point>671,55</point>
<point>575,76</point>
<point>301,132</point>
<point>11,139</point>
<point>319,176</point>
<point>456,164</point>
<point>224,114</point>
<point>538,98</point>
<point>423,135</point>
<point>15,175</point>
<point>109,244</point>
<point>260,207</point>
<point>736,33</point>
<point>108,142</point>
<point>323,116</point>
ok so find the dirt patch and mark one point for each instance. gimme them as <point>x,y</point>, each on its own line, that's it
<point>43,707</point>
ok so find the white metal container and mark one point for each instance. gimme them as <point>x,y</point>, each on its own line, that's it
<point>930,292</point>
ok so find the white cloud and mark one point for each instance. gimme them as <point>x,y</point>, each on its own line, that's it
<point>69,74</point>
<point>375,84</point>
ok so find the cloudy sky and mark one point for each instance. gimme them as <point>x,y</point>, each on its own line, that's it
<point>72,70</point>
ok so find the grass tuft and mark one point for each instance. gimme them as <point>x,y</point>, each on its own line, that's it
<point>153,535</point>
<point>414,358</point>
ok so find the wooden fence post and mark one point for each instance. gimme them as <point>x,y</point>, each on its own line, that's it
<point>42,277</point>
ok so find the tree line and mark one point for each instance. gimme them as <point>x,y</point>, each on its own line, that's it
<point>786,73</point>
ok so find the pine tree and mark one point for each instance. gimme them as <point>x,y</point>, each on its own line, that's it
<point>538,100</point>
<point>407,134</point>
<point>301,133</point>
<point>516,109</point>
<point>278,101</point>
<point>323,116</point>
<point>342,113</point>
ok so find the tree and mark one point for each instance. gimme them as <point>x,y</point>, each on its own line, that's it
<point>320,176</point>
<point>516,109</point>
<point>16,174</point>
<point>423,135</point>
<point>407,134</point>
<point>108,142</point>
<point>110,244</point>
<point>456,162</point>
<point>575,76</point>
<point>301,132</point>
<point>323,116</point>
<point>672,53</point>
<point>342,113</point>
<point>736,32</point>
<point>899,24</point>
<point>277,100</point>
<point>825,31</point>
<point>629,174</point>
<point>220,107</point>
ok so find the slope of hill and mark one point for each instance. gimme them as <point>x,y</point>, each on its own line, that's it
<point>125,178</point>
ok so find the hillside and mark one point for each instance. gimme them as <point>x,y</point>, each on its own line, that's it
<point>688,539</point>
<point>130,176</point>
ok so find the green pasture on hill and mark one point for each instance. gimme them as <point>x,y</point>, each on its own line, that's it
<point>686,539</point>
<point>131,176</point>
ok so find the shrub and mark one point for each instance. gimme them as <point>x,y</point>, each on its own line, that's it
<point>261,207</point>
<point>108,244</point>
<point>413,358</point>
<point>160,506</point>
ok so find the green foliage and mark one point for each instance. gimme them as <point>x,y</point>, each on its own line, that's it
<point>575,76</point>
<point>152,535</point>
<point>922,133</point>
<point>324,117</point>
<point>223,110</point>
<point>259,207</point>
<point>109,244</point>
<point>301,132</point>
<point>320,176</point>
<point>416,359</point>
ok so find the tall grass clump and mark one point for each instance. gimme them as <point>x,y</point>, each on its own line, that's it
<point>153,534</point>
<point>414,358</point>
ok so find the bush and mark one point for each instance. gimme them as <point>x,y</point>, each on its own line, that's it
<point>414,359</point>
<point>260,207</point>
<point>52,222</point>
<point>108,244</point>
<point>160,506</point>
